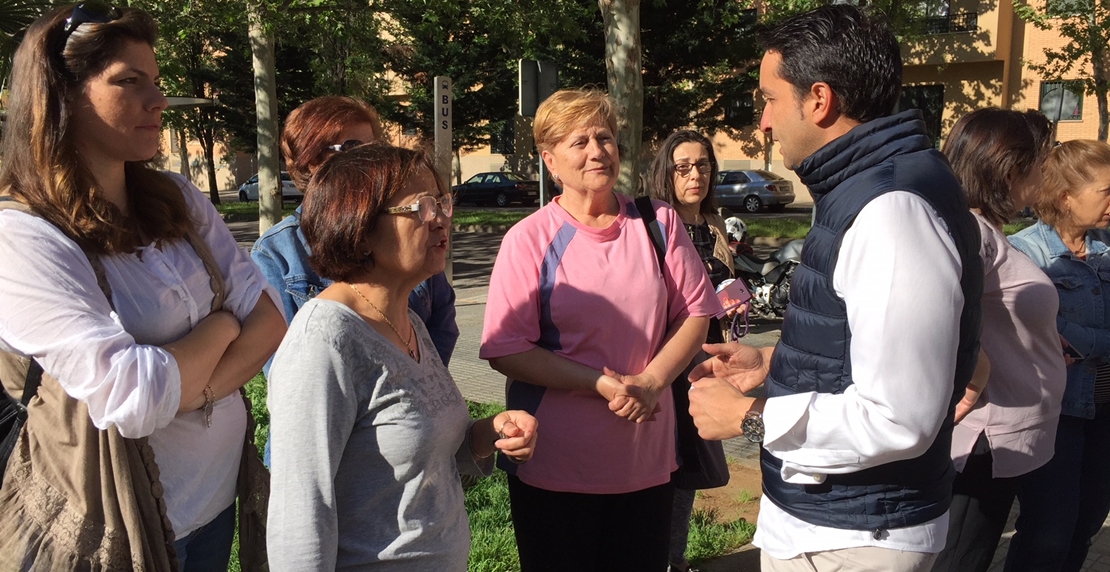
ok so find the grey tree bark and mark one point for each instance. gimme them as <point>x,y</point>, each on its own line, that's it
<point>265,97</point>
<point>626,84</point>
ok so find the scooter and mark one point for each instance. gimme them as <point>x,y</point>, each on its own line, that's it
<point>768,279</point>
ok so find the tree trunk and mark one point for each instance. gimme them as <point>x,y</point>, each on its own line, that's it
<point>626,84</point>
<point>183,152</point>
<point>1101,73</point>
<point>265,97</point>
<point>207,140</point>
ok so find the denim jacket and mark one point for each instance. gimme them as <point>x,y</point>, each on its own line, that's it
<point>282,254</point>
<point>1084,318</point>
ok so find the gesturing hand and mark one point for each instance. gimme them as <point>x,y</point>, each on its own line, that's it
<point>517,432</point>
<point>718,408</point>
<point>743,367</point>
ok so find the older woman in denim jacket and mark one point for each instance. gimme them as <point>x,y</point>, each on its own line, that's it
<point>1064,503</point>
<point>313,132</point>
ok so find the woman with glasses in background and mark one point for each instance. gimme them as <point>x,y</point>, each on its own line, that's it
<point>312,133</point>
<point>127,288</point>
<point>683,175</point>
<point>369,427</point>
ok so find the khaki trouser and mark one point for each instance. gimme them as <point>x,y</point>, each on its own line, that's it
<point>860,559</point>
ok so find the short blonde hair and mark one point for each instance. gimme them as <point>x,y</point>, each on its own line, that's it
<point>570,109</point>
<point>1070,166</point>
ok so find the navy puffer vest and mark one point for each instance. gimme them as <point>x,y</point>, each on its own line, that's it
<point>887,154</point>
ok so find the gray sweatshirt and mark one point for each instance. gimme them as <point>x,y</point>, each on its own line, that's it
<point>367,444</point>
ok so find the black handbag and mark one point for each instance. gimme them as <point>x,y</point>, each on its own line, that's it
<point>702,463</point>
<point>13,414</point>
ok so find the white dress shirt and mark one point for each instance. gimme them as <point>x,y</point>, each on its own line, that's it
<point>52,309</point>
<point>898,272</point>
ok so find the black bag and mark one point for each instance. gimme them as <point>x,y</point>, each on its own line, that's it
<point>13,414</point>
<point>702,463</point>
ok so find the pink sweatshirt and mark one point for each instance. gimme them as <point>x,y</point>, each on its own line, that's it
<point>594,296</point>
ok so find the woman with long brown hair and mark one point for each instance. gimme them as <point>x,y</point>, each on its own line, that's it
<point>124,284</point>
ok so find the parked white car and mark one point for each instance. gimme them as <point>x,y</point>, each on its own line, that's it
<point>248,191</point>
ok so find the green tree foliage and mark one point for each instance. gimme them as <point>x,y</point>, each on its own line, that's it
<point>1085,24</point>
<point>475,43</point>
<point>15,16</point>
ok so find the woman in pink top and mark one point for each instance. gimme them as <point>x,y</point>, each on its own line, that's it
<point>1008,425</point>
<point>590,332</point>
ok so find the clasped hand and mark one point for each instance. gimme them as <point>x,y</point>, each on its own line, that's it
<point>633,397</point>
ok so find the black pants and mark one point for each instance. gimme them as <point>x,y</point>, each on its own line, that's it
<point>561,532</point>
<point>980,506</point>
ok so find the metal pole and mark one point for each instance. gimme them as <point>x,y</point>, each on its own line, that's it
<point>443,130</point>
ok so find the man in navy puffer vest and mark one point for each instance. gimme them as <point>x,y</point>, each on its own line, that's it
<point>882,332</point>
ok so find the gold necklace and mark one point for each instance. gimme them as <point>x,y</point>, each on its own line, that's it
<point>408,342</point>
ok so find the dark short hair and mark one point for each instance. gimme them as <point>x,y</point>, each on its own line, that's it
<point>346,195</point>
<point>314,125</point>
<point>986,146</point>
<point>851,49</point>
<point>661,181</point>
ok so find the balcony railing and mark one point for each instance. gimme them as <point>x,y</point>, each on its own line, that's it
<point>950,24</point>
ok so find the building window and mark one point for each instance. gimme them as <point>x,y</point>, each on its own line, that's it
<point>740,110</point>
<point>930,100</point>
<point>501,139</point>
<point>1061,8</point>
<point>1062,100</point>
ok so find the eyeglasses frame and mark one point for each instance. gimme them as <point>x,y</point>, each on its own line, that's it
<point>689,167</point>
<point>415,207</point>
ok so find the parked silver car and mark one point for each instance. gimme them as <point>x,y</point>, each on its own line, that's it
<point>750,191</point>
<point>248,191</point>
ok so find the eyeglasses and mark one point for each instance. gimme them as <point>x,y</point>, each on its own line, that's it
<point>346,145</point>
<point>684,168</point>
<point>425,207</point>
<point>92,12</point>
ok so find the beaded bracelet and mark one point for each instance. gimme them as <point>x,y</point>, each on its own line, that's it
<point>209,402</point>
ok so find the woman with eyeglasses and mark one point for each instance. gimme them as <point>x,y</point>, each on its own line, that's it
<point>591,326</point>
<point>314,131</point>
<point>369,429</point>
<point>683,175</point>
<point>129,291</point>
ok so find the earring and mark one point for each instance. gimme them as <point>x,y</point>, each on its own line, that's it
<point>555,177</point>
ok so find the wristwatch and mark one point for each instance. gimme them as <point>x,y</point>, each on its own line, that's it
<point>752,426</point>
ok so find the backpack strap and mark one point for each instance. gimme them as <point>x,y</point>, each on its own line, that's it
<point>647,214</point>
<point>215,277</point>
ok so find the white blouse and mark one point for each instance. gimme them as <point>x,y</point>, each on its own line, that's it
<point>52,309</point>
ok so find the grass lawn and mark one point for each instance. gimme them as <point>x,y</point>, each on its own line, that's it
<point>249,209</point>
<point>488,217</point>
<point>492,544</point>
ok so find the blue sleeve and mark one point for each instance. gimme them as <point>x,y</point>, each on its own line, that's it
<point>434,301</point>
<point>274,271</point>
